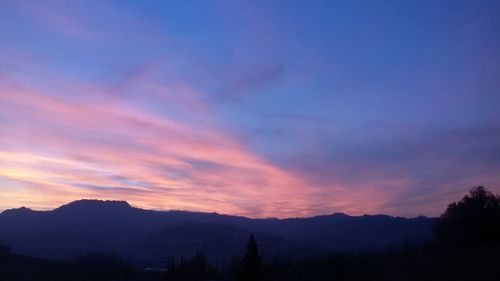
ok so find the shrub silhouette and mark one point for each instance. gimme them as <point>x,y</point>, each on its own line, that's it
<point>473,221</point>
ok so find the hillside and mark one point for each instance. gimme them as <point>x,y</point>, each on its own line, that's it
<point>86,226</point>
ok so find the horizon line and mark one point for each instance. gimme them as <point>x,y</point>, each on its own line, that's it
<point>207,212</point>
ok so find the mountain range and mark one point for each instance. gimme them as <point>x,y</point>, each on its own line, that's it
<point>149,237</point>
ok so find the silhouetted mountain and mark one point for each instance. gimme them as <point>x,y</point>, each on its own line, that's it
<point>87,207</point>
<point>102,226</point>
<point>187,246</point>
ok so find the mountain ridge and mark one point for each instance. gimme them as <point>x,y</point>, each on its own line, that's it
<point>85,226</point>
<point>125,204</point>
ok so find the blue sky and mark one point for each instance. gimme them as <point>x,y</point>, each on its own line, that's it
<point>274,108</point>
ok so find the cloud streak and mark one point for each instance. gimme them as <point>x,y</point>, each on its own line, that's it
<point>75,148</point>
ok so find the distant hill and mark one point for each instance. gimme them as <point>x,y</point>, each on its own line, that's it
<point>148,236</point>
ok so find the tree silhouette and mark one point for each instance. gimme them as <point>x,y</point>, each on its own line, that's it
<point>198,267</point>
<point>251,267</point>
<point>475,220</point>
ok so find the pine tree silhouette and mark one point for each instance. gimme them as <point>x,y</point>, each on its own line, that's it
<point>251,267</point>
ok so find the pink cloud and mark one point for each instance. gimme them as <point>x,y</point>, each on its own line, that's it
<point>64,147</point>
<point>57,147</point>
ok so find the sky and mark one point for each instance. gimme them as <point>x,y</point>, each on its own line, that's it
<point>254,108</point>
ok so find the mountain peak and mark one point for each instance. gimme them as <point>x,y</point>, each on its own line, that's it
<point>17,211</point>
<point>93,204</point>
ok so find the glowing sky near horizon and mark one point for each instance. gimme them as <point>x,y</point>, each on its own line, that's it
<point>255,108</point>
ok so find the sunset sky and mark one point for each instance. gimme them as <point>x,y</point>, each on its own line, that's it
<point>254,108</point>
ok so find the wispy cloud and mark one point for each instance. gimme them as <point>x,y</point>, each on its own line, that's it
<point>69,145</point>
<point>243,82</point>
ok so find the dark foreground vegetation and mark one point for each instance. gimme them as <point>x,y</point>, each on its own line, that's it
<point>466,246</point>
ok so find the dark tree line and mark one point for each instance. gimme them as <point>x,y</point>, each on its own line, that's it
<point>197,268</point>
<point>466,247</point>
<point>473,221</point>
